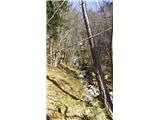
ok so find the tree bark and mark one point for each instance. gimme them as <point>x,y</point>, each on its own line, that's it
<point>95,58</point>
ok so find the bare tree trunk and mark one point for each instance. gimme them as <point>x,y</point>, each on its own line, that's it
<point>111,52</point>
<point>95,58</point>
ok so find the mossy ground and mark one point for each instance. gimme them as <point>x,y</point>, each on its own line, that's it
<point>66,98</point>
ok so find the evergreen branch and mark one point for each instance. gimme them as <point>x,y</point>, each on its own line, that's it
<point>56,11</point>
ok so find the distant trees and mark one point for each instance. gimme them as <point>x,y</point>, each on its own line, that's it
<point>56,26</point>
<point>65,27</point>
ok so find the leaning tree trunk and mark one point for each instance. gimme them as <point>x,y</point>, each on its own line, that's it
<point>95,58</point>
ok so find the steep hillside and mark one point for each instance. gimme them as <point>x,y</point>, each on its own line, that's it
<point>68,98</point>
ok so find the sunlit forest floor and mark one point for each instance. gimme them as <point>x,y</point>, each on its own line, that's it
<point>69,99</point>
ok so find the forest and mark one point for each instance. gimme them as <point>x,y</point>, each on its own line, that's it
<point>79,60</point>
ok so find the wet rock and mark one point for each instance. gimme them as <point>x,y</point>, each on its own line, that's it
<point>93,90</point>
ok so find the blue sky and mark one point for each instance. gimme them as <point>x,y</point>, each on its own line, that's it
<point>90,0</point>
<point>91,4</point>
